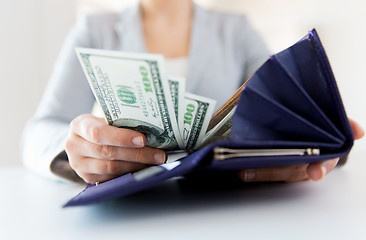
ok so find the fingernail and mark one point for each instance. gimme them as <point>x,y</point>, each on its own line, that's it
<point>249,175</point>
<point>138,141</point>
<point>324,170</point>
<point>159,158</point>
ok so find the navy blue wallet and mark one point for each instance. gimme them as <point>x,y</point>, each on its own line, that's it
<point>290,110</point>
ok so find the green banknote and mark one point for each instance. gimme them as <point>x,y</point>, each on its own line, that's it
<point>177,87</point>
<point>197,115</point>
<point>134,93</point>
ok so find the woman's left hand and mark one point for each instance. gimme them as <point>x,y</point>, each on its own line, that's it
<point>313,171</point>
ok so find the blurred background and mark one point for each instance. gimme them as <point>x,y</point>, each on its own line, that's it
<point>32,33</point>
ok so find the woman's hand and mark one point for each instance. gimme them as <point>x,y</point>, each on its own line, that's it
<point>314,171</point>
<point>99,152</point>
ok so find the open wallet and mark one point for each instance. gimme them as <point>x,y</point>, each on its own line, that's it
<point>289,112</point>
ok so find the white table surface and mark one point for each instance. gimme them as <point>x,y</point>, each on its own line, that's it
<point>334,208</point>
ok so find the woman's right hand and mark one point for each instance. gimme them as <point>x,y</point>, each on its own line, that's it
<point>99,152</point>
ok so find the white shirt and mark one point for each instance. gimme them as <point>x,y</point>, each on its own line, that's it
<point>177,67</point>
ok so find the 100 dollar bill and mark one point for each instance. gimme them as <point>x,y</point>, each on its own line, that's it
<point>197,114</point>
<point>133,92</point>
<point>177,87</point>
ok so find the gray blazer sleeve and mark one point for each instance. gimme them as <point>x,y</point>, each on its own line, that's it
<point>255,50</point>
<point>66,96</point>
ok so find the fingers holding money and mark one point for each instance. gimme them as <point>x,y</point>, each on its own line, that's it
<point>96,130</point>
<point>144,155</point>
<point>100,152</point>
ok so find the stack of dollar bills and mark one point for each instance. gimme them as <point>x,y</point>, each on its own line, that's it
<point>135,93</point>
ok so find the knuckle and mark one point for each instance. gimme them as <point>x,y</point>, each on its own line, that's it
<point>74,123</point>
<point>95,134</point>
<point>120,139</point>
<point>73,157</point>
<point>297,173</point>
<point>69,145</point>
<point>107,151</point>
<point>139,155</point>
<point>112,167</point>
<point>83,117</point>
<point>74,164</point>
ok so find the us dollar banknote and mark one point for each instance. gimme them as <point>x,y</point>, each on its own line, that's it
<point>133,91</point>
<point>197,114</point>
<point>177,87</point>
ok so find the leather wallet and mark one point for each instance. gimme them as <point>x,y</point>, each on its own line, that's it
<point>290,112</point>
